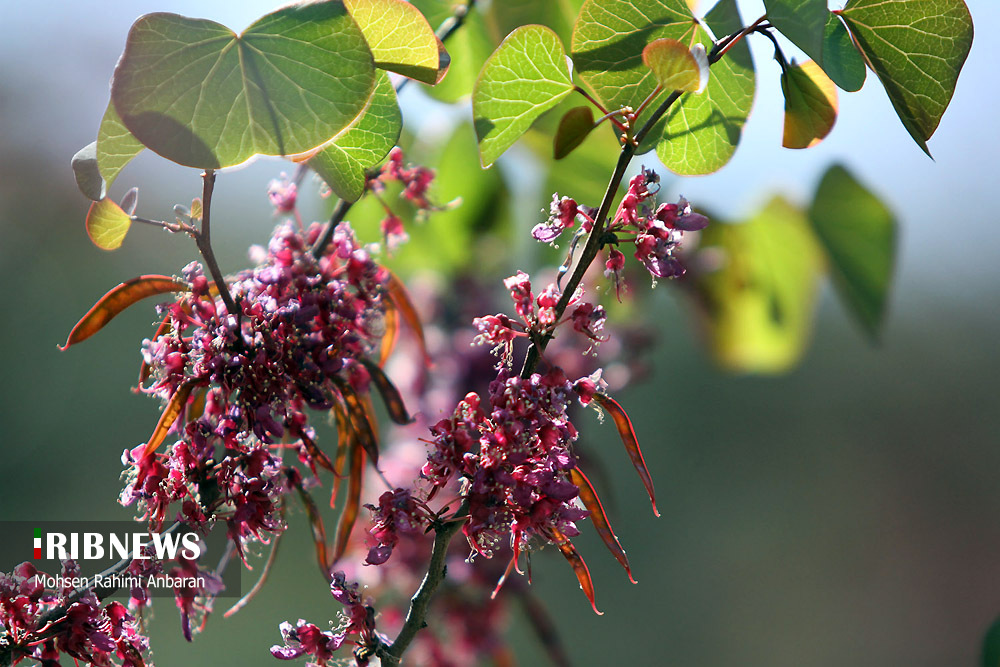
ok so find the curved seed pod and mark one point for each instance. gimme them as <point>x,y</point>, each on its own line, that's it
<point>345,441</point>
<point>317,454</point>
<point>390,395</point>
<point>168,417</point>
<point>361,426</point>
<point>349,515</point>
<point>579,567</point>
<point>600,520</point>
<point>318,531</point>
<point>117,300</point>
<point>401,300</point>
<point>391,335</point>
<point>625,430</point>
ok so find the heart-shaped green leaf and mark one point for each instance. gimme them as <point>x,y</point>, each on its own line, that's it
<point>198,94</point>
<point>608,41</point>
<point>525,77</point>
<point>573,129</point>
<point>759,303</point>
<point>107,224</point>
<point>342,161</point>
<point>803,22</point>
<point>115,145</point>
<point>858,233</point>
<point>810,105</point>
<point>702,131</point>
<point>917,49</point>
<point>400,38</point>
<point>675,66</point>
<point>842,61</point>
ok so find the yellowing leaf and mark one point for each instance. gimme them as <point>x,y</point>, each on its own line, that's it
<point>675,66</point>
<point>399,37</point>
<point>759,300</point>
<point>107,224</point>
<point>810,105</point>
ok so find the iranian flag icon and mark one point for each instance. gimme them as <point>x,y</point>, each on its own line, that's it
<point>38,543</point>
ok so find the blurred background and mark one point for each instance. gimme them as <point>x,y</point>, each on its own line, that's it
<point>841,513</point>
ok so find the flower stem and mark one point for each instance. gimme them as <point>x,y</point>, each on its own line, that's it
<point>204,240</point>
<point>593,245</point>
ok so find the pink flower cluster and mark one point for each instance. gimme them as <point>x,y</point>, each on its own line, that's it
<point>357,619</point>
<point>657,230</point>
<point>42,624</point>
<point>538,317</point>
<point>515,461</point>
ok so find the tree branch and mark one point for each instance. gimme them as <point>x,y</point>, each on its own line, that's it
<point>436,572</point>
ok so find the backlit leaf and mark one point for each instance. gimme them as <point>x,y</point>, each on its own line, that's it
<point>343,161</point>
<point>107,224</point>
<point>115,145</point>
<point>198,94</point>
<point>702,131</point>
<point>858,233</point>
<point>803,22</point>
<point>525,77</point>
<point>675,66</point>
<point>573,129</point>
<point>117,300</point>
<point>917,49</point>
<point>810,105</point>
<point>608,41</point>
<point>399,37</point>
<point>759,299</point>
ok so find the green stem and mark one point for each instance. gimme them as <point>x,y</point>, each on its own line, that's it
<point>437,570</point>
<point>204,241</point>
<point>593,246</point>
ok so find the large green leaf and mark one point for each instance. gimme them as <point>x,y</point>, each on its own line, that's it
<point>842,61</point>
<point>525,77</point>
<point>97,165</point>
<point>759,304</point>
<point>802,21</point>
<point>858,233</point>
<point>115,145</point>
<point>198,94</point>
<point>400,38</point>
<point>702,131</point>
<point>608,40</point>
<point>342,162</point>
<point>917,49</point>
